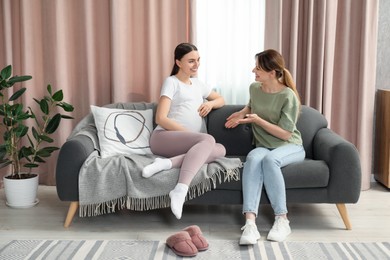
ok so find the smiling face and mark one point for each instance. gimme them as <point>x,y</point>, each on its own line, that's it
<point>260,74</point>
<point>269,66</point>
<point>189,63</point>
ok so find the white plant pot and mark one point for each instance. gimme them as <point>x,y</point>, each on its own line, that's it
<point>21,193</point>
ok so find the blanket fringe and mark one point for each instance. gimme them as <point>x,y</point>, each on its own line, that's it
<point>144,204</point>
<point>97,209</point>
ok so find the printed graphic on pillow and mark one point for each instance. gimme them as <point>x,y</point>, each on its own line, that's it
<point>123,131</point>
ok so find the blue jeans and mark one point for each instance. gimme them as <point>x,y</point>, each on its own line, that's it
<point>263,166</point>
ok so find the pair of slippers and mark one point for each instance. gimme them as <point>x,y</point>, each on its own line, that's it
<point>187,242</point>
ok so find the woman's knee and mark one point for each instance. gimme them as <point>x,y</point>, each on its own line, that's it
<point>208,139</point>
<point>220,150</point>
<point>271,161</point>
<point>256,155</point>
<point>253,160</point>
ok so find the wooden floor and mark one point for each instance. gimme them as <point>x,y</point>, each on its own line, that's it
<point>370,219</point>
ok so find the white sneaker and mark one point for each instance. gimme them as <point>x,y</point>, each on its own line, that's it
<point>280,230</point>
<point>250,235</point>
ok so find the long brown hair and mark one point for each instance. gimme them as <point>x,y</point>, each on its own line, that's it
<point>270,60</point>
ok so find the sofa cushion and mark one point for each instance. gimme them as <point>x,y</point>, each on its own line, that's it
<point>306,174</point>
<point>123,131</point>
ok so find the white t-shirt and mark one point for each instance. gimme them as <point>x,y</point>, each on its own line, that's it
<point>185,101</point>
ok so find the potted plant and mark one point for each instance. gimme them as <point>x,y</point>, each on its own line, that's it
<point>25,146</point>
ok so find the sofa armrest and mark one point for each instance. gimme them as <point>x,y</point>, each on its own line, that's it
<point>70,159</point>
<point>344,165</point>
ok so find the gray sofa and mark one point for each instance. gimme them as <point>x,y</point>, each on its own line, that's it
<point>331,172</point>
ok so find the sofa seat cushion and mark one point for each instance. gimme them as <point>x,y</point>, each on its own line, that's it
<point>307,174</point>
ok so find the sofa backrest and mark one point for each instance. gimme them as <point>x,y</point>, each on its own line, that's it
<point>238,141</point>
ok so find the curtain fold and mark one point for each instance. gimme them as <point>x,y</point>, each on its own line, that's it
<point>330,49</point>
<point>96,51</point>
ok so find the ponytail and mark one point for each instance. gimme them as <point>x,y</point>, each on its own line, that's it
<point>287,80</point>
<point>175,69</point>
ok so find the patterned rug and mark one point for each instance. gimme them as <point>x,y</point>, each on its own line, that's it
<point>219,249</point>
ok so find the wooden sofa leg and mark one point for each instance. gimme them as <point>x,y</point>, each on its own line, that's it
<point>344,215</point>
<point>74,205</point>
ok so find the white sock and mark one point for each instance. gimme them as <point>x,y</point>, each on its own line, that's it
<point>178,196</point>
<point>158,165</point>
<point>250,221</point>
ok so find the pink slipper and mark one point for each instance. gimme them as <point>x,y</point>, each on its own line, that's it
<point>197,238</point>
<point>181,244</point>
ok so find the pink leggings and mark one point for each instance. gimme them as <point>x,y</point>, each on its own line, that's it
<point>187,150</point>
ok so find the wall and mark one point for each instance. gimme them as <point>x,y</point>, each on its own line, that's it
<point>383,50</point>
<point>383,59</point>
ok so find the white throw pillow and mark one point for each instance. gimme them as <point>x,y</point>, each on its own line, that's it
<point>122,131</point>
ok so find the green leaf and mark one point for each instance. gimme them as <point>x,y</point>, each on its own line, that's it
<point>46,151</point>
<point>43,153</point>
<point>50,149</point>
<point>36,100</point>
<point>67,107</point>
<point>26,151</point>
<point>35,133</point>
<point>49,89</point>
<point>3,151</point>
<point>17,94</point>
<point>16,112</point>
<point>6,72</point>
<point>15,79</point>
<point>21,130</point>
<point>66,117</point>
<point>58,96</point>
<point>16,109</point>
<point>53,124</point>
<point>30,141</point>
<point>31,165</point>
<point>44,106</point>
<point>8,121</point>
<point>39,159</point>
<point>46,138</point>
<point>23,116</point>
<point>6,136</point>
<point>32,115</point>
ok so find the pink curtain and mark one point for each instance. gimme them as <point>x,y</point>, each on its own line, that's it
<point>96,51</point>
<point>330,49</point>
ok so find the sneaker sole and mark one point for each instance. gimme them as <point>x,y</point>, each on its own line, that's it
<point>248,241</point>
<point>278,239</point>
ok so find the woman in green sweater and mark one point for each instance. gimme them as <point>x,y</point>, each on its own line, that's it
<point>273,110</point>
